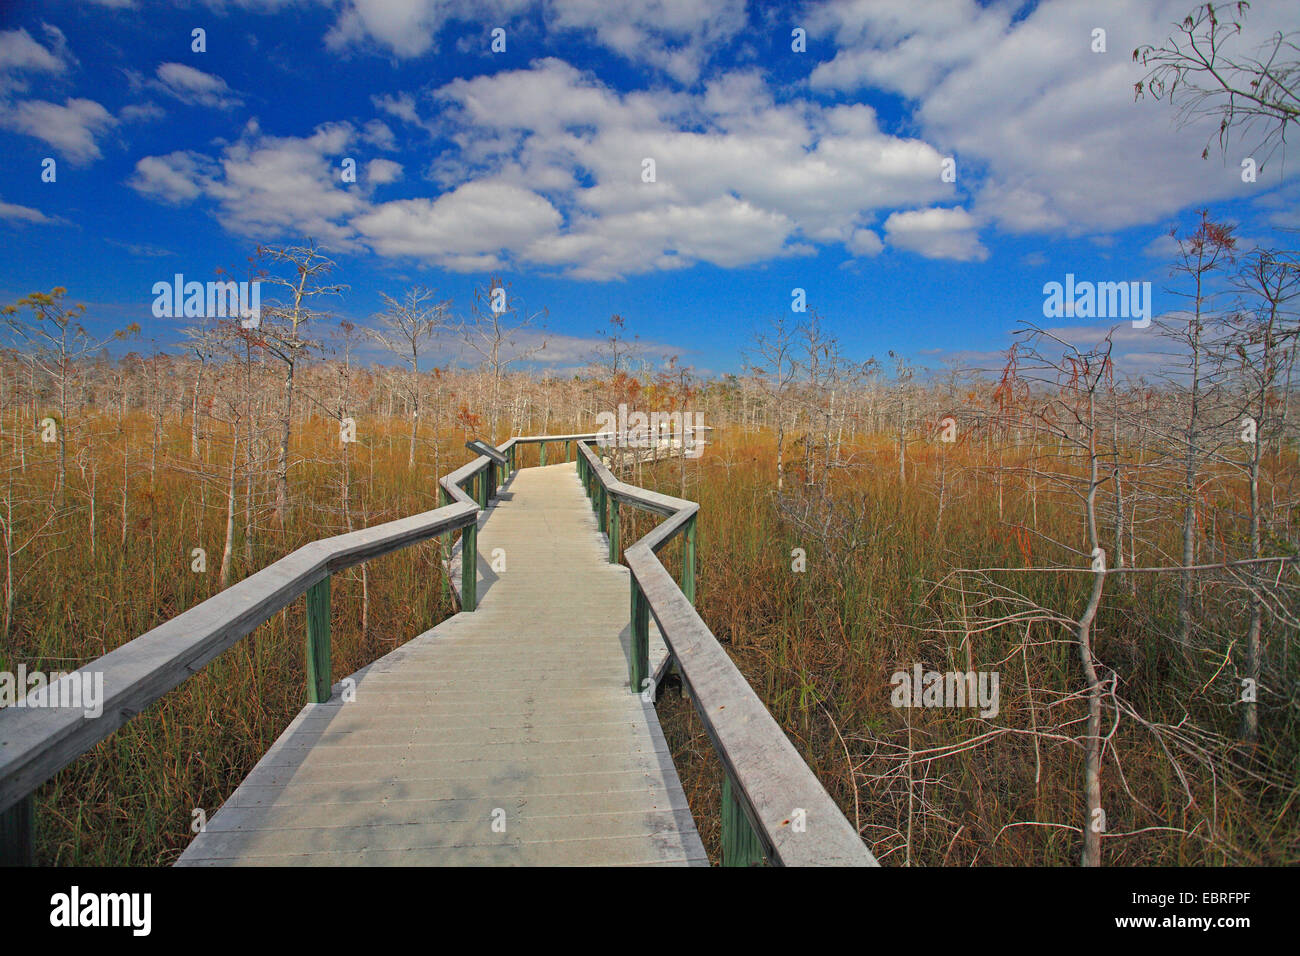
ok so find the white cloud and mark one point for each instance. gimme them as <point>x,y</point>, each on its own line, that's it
<point>546,168</point>
<point>141,112</point>
<point>21,56</point>
<point>194,87</point>
<point>739,178</point>
<point>464,229</point>
<point>864,242</point>
<point>19,53</point>
<point>675,36</point>
<point>265,186</point>
<point>378,133</point>
<point>936,234</point>
<point>1066,148</point>
<point>1163,247</point>
<point>383,171</point>
<point>901,45</point>
<point>410,28</point>
<point>175,178</point>
<point>71,128</point>
<point>22,214</point>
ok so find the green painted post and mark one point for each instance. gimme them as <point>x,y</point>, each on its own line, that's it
<point>602,513</point>
<point>18,834</point>
<point>469,567</point>
<point>318,642</point>
<point>638,664</point>
<point>566,452</point>
<point>482,489</point>
<point>543,459</point>
<point>613,529</point>
<point>740,846</point>
<point>688,560</point>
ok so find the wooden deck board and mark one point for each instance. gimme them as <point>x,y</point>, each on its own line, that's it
<point>517,714</point>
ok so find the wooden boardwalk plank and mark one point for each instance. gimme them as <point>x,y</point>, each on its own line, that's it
<point>506,736</point>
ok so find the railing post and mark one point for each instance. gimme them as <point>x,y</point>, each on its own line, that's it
<point>318,641</point>
<point>543,458</point>
<point>613,529</point>
<point>688,560</point>
<point>602,514</point>
<point>740,846</point>
<point>18,833</point>
<point>482,488</point>
<point>469,566</point>
<point>566,452</point>
<point>638,663</point>
<point>444,542</point>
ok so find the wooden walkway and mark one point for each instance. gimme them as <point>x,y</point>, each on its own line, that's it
<point>504,736</point>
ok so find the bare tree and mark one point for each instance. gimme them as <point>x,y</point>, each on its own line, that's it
<point>775,368</point>
<point>59,342</point>
<point>1196,70</point>
<point>282,333</point>
<point>406,326</point>
<point>499,338</point>
<point>1258,343</point>
<point>1201,254</point>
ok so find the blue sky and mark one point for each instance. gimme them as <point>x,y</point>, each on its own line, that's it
<point>774,169</point>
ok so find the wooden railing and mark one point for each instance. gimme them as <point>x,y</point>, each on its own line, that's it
<point>774,809</point>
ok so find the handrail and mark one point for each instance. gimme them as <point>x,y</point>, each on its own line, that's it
<point>773,805</point>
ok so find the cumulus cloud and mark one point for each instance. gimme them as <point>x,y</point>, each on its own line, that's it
<point>265,186</point>
<point>864,242</point>
<point>71,127</point>
<point>547,166</point>
<point>936,234</point>
<point>738,177</point>
<point>410,28</point>
<point>675,36</point>
<point>20,53</point>
<point>1066,148</point>
<point>464,229</point>
<point>382,171</point>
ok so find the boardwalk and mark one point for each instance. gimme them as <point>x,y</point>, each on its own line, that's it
<point>509,734</point>
<point>503,736</point>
